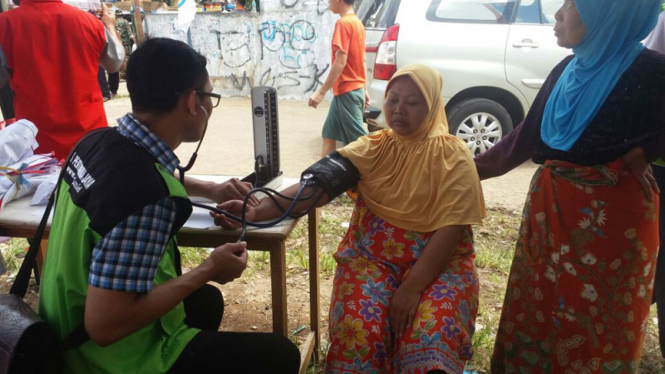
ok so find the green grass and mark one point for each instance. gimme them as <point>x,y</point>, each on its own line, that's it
<point>494,258</point>
<point>191,257</point>
<point>13,252</point>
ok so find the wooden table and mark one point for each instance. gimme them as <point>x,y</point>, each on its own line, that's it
<point>20,219</point>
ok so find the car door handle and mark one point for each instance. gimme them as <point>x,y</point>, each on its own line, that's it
<point>533,83</point>
<point>526,43</point>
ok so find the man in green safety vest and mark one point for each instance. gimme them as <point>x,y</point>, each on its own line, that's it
<point>112,286</point>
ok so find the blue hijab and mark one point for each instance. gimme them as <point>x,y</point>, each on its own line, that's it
<point>614,31</point>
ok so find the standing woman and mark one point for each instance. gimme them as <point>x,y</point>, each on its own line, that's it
<point>580,286</point>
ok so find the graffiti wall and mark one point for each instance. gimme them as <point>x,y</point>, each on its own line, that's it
<point>286,46</point>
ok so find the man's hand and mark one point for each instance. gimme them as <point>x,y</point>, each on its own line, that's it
<point>366,99</point>
<point>316,99</point>
<point>403,308</point>
<point>227,262</point>
<point>234,207</point>
<point>233,189</point>
<point>635,162</point>
<point>108,17</point>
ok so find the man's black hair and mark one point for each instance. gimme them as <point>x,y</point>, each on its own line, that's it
<point>241,2</point>
<point>349,2</point>
<point>160,70</point>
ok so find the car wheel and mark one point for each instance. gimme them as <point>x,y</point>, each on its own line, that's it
<point>480,123</point>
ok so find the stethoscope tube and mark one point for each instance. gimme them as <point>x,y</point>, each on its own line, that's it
<point>246,223</point>
<point>190,164</point>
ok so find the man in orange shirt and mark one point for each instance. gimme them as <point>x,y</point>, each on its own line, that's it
<point>347,79</point>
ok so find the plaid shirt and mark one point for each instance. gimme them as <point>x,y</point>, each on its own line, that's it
<point>126,258</point>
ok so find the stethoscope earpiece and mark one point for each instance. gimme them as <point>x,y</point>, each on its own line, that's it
<point>189,165</point>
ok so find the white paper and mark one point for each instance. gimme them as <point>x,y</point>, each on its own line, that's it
<point>45,188</point>
<point>200,219</point>
<point>9,191</point>
<point>17,141</point>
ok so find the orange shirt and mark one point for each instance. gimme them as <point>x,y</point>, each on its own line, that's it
<point>349,37</point>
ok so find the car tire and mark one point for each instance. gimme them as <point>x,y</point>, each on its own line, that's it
<point>480,123</point>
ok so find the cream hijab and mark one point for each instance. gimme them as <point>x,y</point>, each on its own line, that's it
<point>424,181</point>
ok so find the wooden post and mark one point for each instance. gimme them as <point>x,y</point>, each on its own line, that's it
<point>138,22</point>
<point>314,290</point>
<point>278,286</point>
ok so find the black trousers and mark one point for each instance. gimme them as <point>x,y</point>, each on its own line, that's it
<point>103,83</point>
<point>212,351</point>
<point>114,82</point>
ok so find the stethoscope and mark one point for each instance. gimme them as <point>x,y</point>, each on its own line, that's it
<point>190,164</point>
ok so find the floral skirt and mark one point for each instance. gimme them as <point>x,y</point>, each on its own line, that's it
<point>580,285</point>
<point>372,261</point>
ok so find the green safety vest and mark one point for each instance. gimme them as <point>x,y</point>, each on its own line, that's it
<point>109,178</point>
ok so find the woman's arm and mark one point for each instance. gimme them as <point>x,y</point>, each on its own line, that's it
<point>518,146</point>
<point>512,151</point>
<point>432,262</point>
<point>232,189</point>
<point>269,209</point>
<point>654,146</point>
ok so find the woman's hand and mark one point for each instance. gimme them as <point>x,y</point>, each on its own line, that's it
<point>234,207</point>
<point>635,161</point>
<point>233,189</point>
<point>403,308</point>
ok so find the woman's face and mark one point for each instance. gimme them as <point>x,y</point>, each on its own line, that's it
<point>569,28</point>
<point>405,107</point>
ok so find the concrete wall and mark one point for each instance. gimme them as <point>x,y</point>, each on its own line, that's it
<point>286,46</point>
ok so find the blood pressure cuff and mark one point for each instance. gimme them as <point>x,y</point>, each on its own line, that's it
<point>333,173</point>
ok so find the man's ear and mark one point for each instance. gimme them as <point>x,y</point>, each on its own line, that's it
<point>190,102</point>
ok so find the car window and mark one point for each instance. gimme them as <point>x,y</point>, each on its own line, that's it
<point>550,7</point>
<point>377,13</point>
<point>528,12</point>
<point>475,11</point>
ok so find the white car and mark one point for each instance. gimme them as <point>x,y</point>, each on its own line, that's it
<point>494,56</point>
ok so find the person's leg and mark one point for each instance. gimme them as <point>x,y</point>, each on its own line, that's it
<point>114,82</point>
<point>103,84</point>
<point>350,112</point>
<point>329,145</point>
<point>332,128</point>
<point>233,352</point>
<point>204,308</point>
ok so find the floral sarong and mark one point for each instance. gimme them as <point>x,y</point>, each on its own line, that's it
<point>372,261</point>
<point>581,280</point>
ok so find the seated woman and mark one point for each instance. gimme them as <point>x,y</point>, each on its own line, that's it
<point>405,293</point>
<point>580,285</point>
